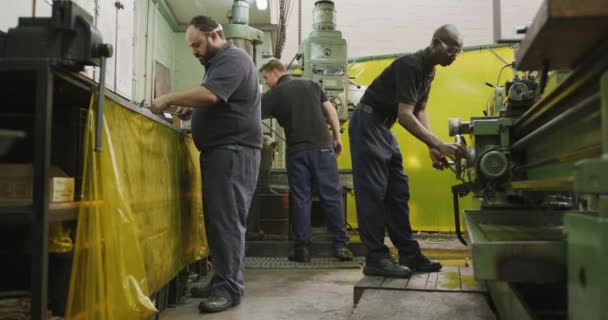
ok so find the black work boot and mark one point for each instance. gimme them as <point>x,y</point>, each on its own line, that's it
<point>420,263</point>
<point>343,254</point>
<point>386,267</point>
<point>200,291</point>
<point>301,253</point>
<point>215,304</point>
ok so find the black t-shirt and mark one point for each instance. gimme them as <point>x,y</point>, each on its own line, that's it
<point>297,105</point>
<point>406,80</point>
<point>236,119</point>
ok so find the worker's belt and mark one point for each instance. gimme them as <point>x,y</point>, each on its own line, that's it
<point>386,120</point>
<point>235,147</point>
<point>365,108</point>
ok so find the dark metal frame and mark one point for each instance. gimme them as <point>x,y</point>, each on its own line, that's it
<point>37,213</point>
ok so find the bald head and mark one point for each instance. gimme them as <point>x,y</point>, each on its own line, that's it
<point>446,45</point>
<point>448,34</point>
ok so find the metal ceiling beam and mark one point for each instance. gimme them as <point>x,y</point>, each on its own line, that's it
<point>166,12</point>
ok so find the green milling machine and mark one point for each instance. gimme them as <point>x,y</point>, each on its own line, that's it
<point>538,164</point>
<point>239,32</point>
<point>323,58</point>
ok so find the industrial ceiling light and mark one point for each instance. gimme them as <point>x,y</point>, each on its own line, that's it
<point>261,4</point>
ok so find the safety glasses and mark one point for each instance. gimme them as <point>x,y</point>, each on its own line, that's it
<point>454,50</point>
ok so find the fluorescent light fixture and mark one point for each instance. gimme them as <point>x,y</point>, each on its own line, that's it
<point>261,4</point>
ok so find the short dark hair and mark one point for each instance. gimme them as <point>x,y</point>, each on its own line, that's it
<point>205,24</point>
<point>273,64</point>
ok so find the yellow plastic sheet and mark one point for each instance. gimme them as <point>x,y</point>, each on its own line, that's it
<point>60,240</point>
<point>146,223</point>
<point>458,91</point>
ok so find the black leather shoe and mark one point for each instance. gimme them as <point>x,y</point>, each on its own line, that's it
<point>200,291</point>
<point>215,304</point>
<point>420,263</point>
<point>301,253</point>
<point>343,254</point>
<point>386,268</point>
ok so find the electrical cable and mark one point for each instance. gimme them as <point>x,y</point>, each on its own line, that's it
<point>500,73</point>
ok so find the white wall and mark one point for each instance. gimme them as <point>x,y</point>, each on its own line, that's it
<point>11,11</point>
<point>516,13</point>
<point>154,41</point>
<point>188,71</point>
<point>119,67</point>
<point>396,26</point>
<point>106,24</point>
<point>125,48</point>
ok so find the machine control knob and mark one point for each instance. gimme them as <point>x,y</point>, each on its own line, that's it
<point>341,108</point>
<point>456,127</point>
<point>518,91</point>
<point>103,50</point>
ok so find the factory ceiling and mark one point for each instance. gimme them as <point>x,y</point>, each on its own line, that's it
<point>179,12</point>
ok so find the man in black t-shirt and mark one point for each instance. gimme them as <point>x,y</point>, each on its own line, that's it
<point>226,128</point>
<point>399,93</point>
<point>302,109</point>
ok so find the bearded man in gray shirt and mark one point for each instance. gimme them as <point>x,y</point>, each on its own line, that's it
<point>226,127</point>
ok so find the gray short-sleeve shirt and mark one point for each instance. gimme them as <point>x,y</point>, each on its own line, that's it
<point>236,119</point>
<point>298,106</point>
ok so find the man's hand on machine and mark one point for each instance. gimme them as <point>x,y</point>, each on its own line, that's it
<point>452,150</point>
<point>159,104</point>
<point>183,113</point>
<point>439,161</point>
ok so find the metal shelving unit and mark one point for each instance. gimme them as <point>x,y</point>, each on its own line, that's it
<point>36,214</point>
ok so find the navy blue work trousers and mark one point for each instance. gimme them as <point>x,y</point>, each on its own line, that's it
<point>315,167</point>
<point>381,186</point>
<point>229,175</point>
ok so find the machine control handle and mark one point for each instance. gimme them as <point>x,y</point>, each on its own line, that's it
<point>103,50</point>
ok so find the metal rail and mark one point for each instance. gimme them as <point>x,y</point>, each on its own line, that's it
<point>580,106</point>
<point>585,74</point>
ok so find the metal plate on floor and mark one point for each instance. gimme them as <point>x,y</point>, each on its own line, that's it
<point>315,263</point>
<point>449,279</point>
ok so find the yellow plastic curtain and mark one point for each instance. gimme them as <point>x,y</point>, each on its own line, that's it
<point>59,238</point>
<point>145,223</point>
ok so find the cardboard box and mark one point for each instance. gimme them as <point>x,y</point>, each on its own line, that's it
<point>16,184</point>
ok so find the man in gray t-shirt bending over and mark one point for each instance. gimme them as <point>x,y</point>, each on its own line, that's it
<point>226,127</point>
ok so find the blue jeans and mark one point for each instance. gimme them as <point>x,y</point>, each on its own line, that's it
<point>381,186</point>
<point>315,167</point>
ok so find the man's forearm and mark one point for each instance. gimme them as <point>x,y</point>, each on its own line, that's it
<point>334,123</point>
<point>416,127</point>
<point>423,117</point>
<point>331,116</point>
<point>192,98</point>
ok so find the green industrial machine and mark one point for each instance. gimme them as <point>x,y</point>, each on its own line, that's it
<point>538,163</point>
<point>239,32</point>
<point>323,58</point>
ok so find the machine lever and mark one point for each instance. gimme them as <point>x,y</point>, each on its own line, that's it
<point>459,190</point>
